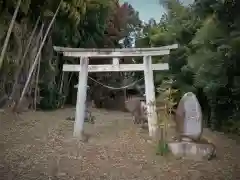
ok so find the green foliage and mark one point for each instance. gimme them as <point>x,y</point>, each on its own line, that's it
<point>79,23</point>
<point>52,99</point>
<point>162,148</point>
<point>165,104</point>
<point>207,61</point>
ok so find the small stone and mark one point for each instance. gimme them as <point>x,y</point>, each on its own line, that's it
<point>62,174</point>
<point>149,141</point>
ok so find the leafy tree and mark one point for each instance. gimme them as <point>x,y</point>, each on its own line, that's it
<point>207,60</point>
<point>80,23</point>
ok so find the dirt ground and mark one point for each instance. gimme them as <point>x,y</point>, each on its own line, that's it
<point>40,147</point>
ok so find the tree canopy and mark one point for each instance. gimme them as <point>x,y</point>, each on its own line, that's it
<point>79,23</point>
<point>207,60</point>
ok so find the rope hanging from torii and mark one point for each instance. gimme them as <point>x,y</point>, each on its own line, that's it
<point>116,88</point>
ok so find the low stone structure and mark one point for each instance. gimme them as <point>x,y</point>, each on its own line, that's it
<point>189,129</point>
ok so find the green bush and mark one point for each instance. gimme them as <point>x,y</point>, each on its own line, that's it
<point>52,99</point>
<point>162,148</point>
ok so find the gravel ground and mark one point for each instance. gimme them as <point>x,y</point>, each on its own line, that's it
<point>40,146</point>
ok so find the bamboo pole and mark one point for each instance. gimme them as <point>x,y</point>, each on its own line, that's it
<point>61,83</point>
<point>4,49</point>
<point>17,74</point>
<point>37,57</point>
<point>37,76</point>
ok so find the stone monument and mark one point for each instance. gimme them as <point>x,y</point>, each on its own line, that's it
<point>189,129</point>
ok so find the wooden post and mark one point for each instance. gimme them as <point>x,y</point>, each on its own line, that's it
<point>115,61</point>
<point>81,98</point>
<point>150,97</point>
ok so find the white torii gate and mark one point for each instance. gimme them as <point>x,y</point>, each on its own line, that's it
<point>84,68</point>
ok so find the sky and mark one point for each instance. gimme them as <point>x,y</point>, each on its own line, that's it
<point>149,8</point>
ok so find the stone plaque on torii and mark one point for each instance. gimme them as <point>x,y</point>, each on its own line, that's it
<point>84,68</point>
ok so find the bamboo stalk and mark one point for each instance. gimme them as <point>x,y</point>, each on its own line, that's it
<point>65,94</point>
<point>61,85</point>
<point>33,80</point>
<point>37,76</point>
<point>17,74</point>
<point>37,57</point>
<point>4,49</point>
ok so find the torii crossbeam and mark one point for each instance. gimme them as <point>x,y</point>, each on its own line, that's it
<point>84,68</point>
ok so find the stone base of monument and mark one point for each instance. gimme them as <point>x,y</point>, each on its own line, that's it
<point>193,150</point>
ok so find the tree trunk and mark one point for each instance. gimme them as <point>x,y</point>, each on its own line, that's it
<point>37,57</point>
<point>9,33</point>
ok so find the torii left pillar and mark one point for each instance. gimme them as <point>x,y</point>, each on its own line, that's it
<point>81,98</point>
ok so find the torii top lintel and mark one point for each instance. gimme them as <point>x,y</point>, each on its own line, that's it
<point>82,52</point>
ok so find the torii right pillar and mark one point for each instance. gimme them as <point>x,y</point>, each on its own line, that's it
<point>150,98</point>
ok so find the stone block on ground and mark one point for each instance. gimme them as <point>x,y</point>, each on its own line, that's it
<point>88,117</point>
<point>193,150</point>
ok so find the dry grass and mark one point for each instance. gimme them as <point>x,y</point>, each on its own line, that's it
<point>40,146</point>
